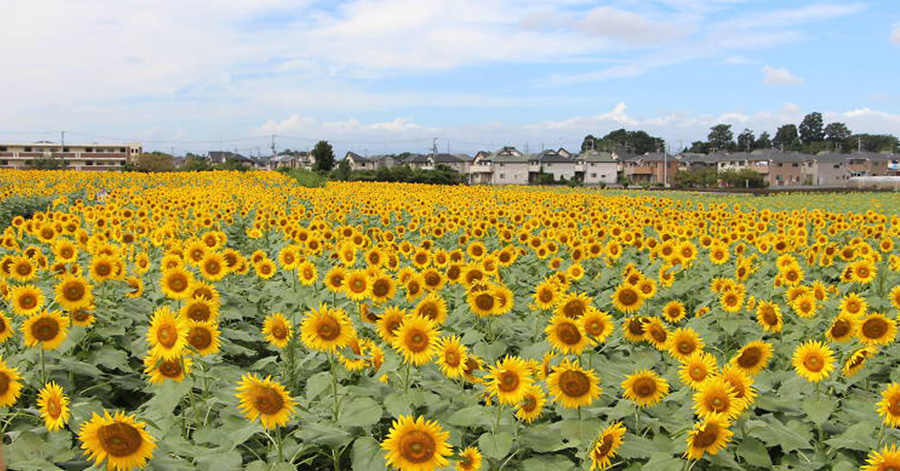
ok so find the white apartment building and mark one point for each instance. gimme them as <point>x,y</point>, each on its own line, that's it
<point>73,156</point>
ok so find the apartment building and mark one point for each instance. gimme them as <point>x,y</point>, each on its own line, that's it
<point>69,156</point>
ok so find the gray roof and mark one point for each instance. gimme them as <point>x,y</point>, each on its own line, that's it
<point>596,156</point>
<point>550,157</point>
<point>506,156</point>
<point>449,158</point>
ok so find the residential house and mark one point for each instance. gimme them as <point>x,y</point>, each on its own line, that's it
<point>868,164</point>
<point>457,162</point>
<point>652,168</point>
<point>508,167</point>
<point>418,161</point>
<point>293,159</point>
<point>785,168</point>
<point>551,163</point>
<point>358,162</point>
<point>826,169</point>
<point>597,168</point>
<point>481,170</point>
<point>221,157</point>
<point>563,152</point>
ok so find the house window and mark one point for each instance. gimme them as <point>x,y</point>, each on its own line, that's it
<point>837,165</point>
<point>549,165</point>
<point>780,164</point>
<point>502,175</point>
<point>28,149</point>
<point>502,164</point>
<point>795,165</point>
<point>594,175</point>
<point>3,149</point>
<point>4,163</point>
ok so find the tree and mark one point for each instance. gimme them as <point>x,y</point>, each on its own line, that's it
<point>785,137</point>
<point>47,162</point>
<point>720,137</point>
<point>588,143</point>
<point>764,141</point>
<point>155,162</point>
<point>324,155</point>
<point>195,163</point>
<point>699,147</point>
<point>746,140</point>
<point>342,172</point>
<point>812,128</point>
<point>837,133</point>
<point>621,140</point>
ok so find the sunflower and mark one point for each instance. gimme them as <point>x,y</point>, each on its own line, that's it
<point>6,327</point>
<point>382,288</point>
<point>213,266</point>
<point>633,328</point>
<point>857,360</point>
<point>10,387</point>
<point>876,329</point>
<point>716,397</point>
<point>627,299</point>
<point>605,447</point>
<point>266,399</point>
<point>889,406</point>
<point>742,384</point>
<point>119,439</point>
<point>546,295</point>
<point>416,445</point>
<point>326,329</point>
<point>389,321</point>
<point>645,388</point>
<point>73,293</point>
<point>573,305</point>
<point>655,333</point>
<point>843,327</point>
<point>417,340</point>
<point>167,334</point>
<point>200,309</point>
<point>482,301</point>
<point>160,370</point>
<point>813,361</point>
<point>769,316</point>
<point>573,386</point>
<point>334,278</point>
<point>895,296</point>
<point>26,299</point>
<point>597,324</point>
<point>65,250</point>
<point>54,406</point>
<point>135,287</point>
<point>509,380</point>
<point>863,271</point>
<point>469,460</point>
<point>854,305</point>
<point>885,460</point>
<point>22,269</point>
<point>433,307</point>
<point>176,283</point>
<point>265,268</point>
<point>49,328</point>
<point>684,342</point>
<point>452,356</point>
<point>82,317</point>
<point>805,305</point>
<point>277,330</point>
<point>566,335</point>
<point>731,300</point>
<point>104,267</point>
<point>698,368</point>
<point>708,436</point>
<point>357,285</point>
<point>753,357</point>
<point>203,337</point>
<point>674,312</point>
<point>531,405</point>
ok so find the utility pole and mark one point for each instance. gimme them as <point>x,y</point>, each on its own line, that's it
<point>62,139</point>
<point>434,148</point>
<point>273,146</point>
<point>859,144</point>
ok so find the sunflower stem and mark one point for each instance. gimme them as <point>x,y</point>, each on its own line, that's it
<point>334,386</point>
<point>43,369</point>
<point>406,378</point>
<point>497,422</point>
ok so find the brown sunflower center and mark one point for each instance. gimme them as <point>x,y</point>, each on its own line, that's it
<point>103,269</point>
<point>416,340</point>
<point>706,437</point>
<point>574,309</point>
<point>718,403</point>
<point>484,301</point>
<point>451,357</point>
<point>568,333</point>
<point>4,383</point>
<point>605,445</point>
<point>529,403</point>
<point>167,335</point>
<point>644,387</point>
<point>357,285</point>
<point>45,329</point>
<point>268,401</point>
<point>73,291</point>
<point>595,327</point>
<point>874,328</point>
<point>199,338</point>
<point>28,301</point>
<point>199,312</point>
<point>213,267</point>
<point>636,326</point>
<point>381,288</point>
<point>328,328</point>
<point>170,369</point>
<point>628,297</point>
<point>53,407</point>
<point>840,328</point>
<point>697,372</point>
<point>119,439</point>
<point>417,447</point>
<point>178,282</point>
<point>509,381</point>
<point>894,406</point>
<point>658,333</point>
<point>685,346</point>
<point>574,383</point>
<point>279,331</point>
<point>750,357</point>
<point>813,363</point>
<point>546,295</point>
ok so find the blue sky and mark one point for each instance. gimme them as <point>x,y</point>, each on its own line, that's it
<point>389,75</point>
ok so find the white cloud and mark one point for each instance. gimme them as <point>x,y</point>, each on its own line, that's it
<point>628,27</point>
<point>895,34</point>
<point>775,76</point>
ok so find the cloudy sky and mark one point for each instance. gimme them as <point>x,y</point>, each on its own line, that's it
<point>389,75</point>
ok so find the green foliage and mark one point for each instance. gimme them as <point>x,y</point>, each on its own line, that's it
<point>195,163</point>
<point>704,177</point>
<point>324,155</point>
<point>720,137</point>
<point>305,178</point>
<point>812,128</point>
<point>745,178</point>
<point>22,206</point>
<point>441,175</point>
<point>155,162</point>
<point>621,140</point>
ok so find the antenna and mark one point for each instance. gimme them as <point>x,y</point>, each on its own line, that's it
<point>273,146</point>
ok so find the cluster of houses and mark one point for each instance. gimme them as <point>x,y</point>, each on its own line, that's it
<point>509,166</point>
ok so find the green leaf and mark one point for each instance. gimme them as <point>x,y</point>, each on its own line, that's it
<point>361,412</point>
<point>495,446</point>
<point>317,384</point>
<point>547,462</point>
<point>367,455</point>
<point>818,410</point>
<point>397,404</point>
<point>774,433</point>
<point>468,417</point>
<point>664,462</point>
<point>856,437</point>
<point>219,460</point>
<point>754,452</point>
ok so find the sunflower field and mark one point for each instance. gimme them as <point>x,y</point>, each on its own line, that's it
<point>237,321</point>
